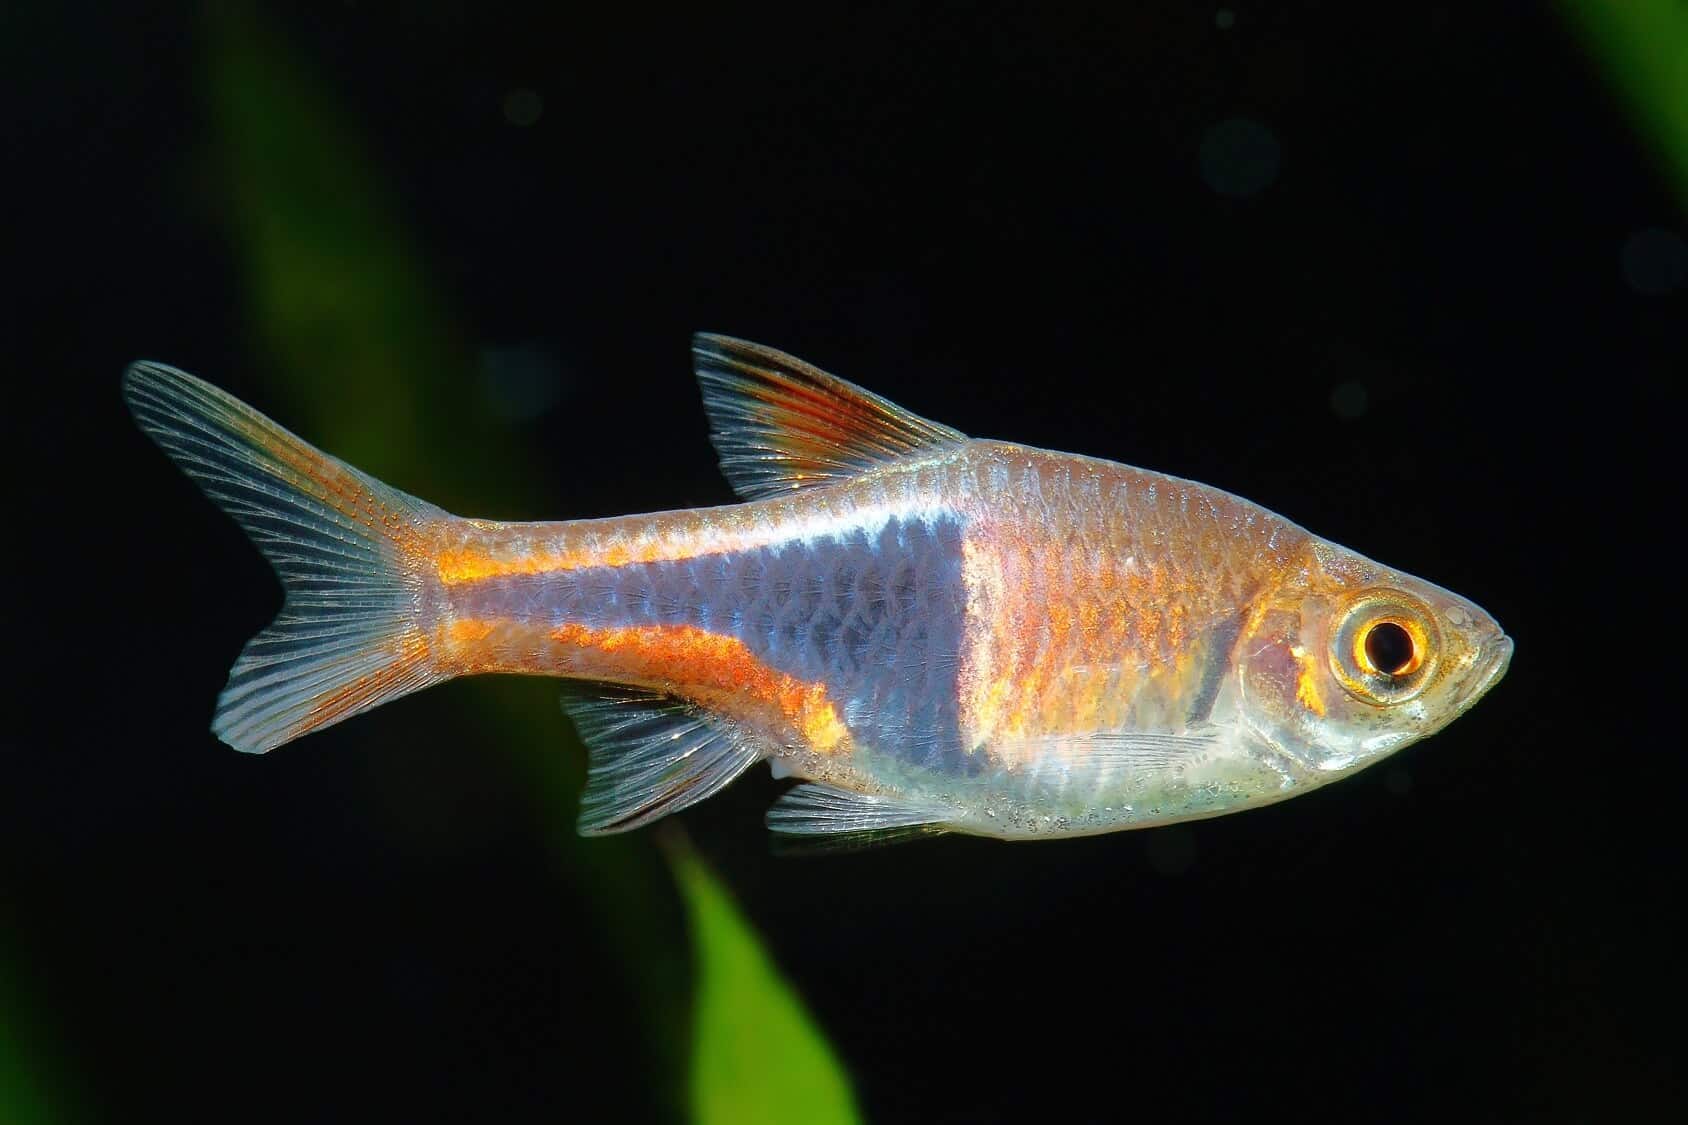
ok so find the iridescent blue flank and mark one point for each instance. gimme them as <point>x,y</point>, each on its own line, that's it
<point>875,614</point>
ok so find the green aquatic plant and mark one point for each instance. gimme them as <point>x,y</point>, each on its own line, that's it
<point>35,1083</point>
<point>1643,47</point>
<point>741,1007</point>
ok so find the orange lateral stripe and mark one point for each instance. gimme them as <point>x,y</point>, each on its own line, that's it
<point>469,564</point>
<point>714,669</point>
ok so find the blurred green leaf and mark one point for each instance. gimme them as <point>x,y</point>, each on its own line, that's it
<point>1643,45</point>
<point>336,290</point>
<point>757,1056</point>
<point>339,298</point>
<point>32,1087</point>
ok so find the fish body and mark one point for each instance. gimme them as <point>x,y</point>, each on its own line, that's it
<point>934,633</point>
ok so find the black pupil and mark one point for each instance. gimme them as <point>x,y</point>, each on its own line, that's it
<point>1390,648</point>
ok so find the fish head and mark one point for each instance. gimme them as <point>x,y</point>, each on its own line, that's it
<point>1346,661</point>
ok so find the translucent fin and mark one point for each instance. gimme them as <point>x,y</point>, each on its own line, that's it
<point>849,821</point>
<point>651,755</point>
<point>780,424</point>
<point>1108,759</point>
<point>342,543</point>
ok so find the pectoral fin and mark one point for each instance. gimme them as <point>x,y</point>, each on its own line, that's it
<point>837,819</point>
<point>1114,760</point>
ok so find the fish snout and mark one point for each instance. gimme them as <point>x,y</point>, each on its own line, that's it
<point>1490,665</point>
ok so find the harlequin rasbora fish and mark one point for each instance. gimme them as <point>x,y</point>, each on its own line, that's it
<point>933,633</point>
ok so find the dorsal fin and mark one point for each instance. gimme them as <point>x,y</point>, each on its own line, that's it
<point>779,423</point>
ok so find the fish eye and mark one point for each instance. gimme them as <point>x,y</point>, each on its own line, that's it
<point>1389,648</point>
<point>1384,649</point>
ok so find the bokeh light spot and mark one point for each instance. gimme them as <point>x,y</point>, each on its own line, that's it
<point>1240,157</point>
<point>1655,261</point>
<point>520,382</point>
<point>522,107</point>
<point>1224,19</point>
<point>1171,850</point>
<point>1349,400</point>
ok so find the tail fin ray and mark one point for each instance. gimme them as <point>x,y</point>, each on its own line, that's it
<point>345,546</point>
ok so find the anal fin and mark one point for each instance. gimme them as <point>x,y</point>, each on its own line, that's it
<point>651,755</point>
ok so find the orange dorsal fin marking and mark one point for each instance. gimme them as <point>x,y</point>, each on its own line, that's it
<point>780,424</point>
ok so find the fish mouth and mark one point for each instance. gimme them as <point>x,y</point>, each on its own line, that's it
<point>1490,666</point>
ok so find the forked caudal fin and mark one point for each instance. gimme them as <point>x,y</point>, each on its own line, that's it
<point>344,545</point>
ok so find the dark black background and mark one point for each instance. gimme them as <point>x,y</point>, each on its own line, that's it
<point>1006,219</point>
